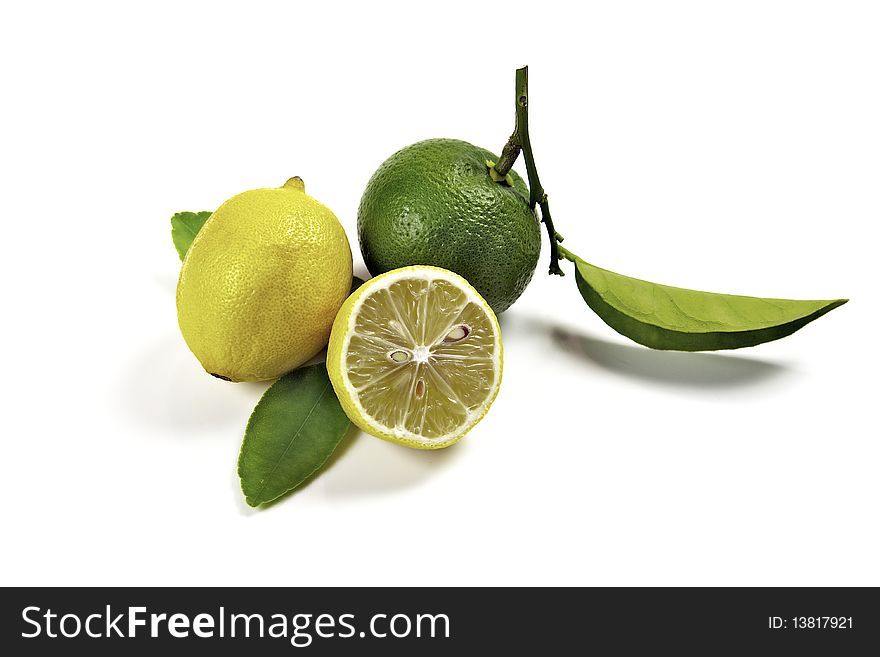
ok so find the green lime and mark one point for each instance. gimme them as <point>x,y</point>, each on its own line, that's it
<point>434,203</point>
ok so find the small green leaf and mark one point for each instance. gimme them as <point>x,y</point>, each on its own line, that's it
<point>664,317</point>
<point>184,227</point>
<point>355,284</point>
<point>294,429</point>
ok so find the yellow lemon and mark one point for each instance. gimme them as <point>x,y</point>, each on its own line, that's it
<point>415,357</point>
<point>262,282</point>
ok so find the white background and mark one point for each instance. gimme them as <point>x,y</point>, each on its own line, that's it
<point>733,147</point>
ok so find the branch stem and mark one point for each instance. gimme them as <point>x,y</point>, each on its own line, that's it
<point>519,142</point>
<point>508,155</point>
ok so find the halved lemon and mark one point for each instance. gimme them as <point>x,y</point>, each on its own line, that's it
<point>415,357</point>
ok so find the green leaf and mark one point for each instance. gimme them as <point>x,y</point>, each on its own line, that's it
<point>184,228</point>
<point>294,429</point>
<point>355,284</point>
<point>664,317</point>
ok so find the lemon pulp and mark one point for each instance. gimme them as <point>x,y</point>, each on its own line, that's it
<point>416,357</point>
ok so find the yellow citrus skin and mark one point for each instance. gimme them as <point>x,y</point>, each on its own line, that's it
<point>262,282</point>
<point>336,360</point>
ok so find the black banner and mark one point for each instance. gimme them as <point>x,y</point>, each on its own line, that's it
<point>439,621</point>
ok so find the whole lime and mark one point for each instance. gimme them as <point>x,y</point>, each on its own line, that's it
<point>435,203</point>
<point>262,282</point>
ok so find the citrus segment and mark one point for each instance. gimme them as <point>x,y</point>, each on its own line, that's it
<point>415,357</point>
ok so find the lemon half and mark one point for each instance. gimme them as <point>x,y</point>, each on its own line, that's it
<point>415,357</point>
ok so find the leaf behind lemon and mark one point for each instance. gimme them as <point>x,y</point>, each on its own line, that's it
<point>665,317</point>
<point>295,427</point>
<point>184,228</point>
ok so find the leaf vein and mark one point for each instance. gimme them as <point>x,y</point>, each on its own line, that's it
<point>296,435</point>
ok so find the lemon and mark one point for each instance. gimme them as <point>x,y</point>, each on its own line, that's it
<point>262,282</point>
<point>415,357</point>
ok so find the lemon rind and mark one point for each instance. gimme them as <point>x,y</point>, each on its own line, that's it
<point>358,414</point>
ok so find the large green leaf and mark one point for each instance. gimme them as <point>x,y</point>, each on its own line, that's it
<point>184,228</point>
<point>664,317</point>
<point>292,432</point>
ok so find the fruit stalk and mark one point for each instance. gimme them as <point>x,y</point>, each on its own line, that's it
<point>519,142</point>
